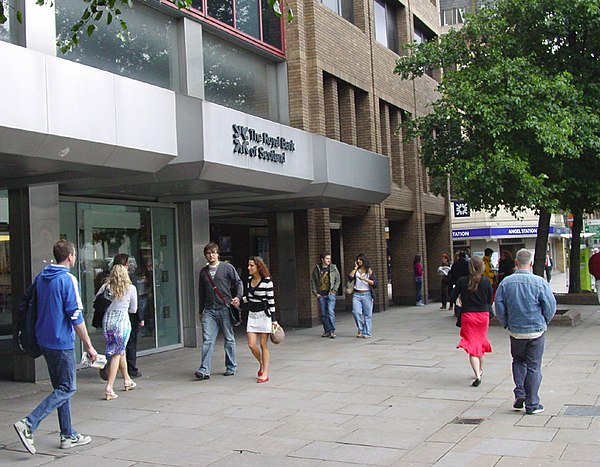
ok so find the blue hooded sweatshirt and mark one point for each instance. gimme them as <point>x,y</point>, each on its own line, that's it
<point>59,308</point>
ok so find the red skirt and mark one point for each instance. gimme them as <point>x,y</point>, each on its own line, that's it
<point>473,331</point>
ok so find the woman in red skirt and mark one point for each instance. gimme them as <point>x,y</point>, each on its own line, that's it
<point>475,292</point>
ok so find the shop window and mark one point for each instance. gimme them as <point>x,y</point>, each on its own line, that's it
<point>6,298</point>
<point>150,53</point>
<point>386,24</point>
<point>237,78</point>
<point>344,8</point>
<point>147,235</point>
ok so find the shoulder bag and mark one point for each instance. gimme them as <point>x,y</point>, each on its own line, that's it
<point>101,303</point>
<point>234,313</point>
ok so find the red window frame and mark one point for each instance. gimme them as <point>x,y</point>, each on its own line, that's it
<point>204,17</point>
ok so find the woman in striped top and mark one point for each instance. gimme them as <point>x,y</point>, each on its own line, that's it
<point>261,314</point>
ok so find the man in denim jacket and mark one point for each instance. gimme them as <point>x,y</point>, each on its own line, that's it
<point>525,305</point>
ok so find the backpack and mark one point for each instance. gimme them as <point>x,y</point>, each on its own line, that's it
<point>26,323</point>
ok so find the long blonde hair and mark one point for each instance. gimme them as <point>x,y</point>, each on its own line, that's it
<point>118,281</point>
<point>475,272</point>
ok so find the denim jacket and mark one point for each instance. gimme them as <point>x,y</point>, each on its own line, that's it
<point>525,303</point>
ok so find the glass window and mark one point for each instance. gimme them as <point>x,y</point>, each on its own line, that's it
<point>344,8</point>
<point>147,235</point>
<point>386,25</point>
<point>8,30</point>
<point>221,10</point>
<point>271,26</point>
<point>247,17</point>
<point>150,54</point>
<point>236,78</point>
<point>6,298</point>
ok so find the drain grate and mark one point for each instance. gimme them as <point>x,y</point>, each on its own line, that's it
<point>582,410</point>
<point>467,421</point>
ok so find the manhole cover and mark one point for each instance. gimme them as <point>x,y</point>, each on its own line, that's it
<point>467,421</point>
<point>583,411</point>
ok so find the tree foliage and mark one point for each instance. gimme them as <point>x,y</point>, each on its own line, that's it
<point>517,122</point>
<point>110,11</point>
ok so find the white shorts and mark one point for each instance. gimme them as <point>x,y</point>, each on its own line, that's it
<point>259,322</point>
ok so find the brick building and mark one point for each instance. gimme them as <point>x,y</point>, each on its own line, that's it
<point>222,124</point>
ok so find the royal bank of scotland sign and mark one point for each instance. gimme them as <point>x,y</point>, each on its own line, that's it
<point>252,143</point>
<point>461,209</point>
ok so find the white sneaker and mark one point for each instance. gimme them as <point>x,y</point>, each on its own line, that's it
<point>72,442</point>
<point>24,432</point>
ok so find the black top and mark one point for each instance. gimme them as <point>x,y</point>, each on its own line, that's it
<point>480,300</point>
<point>459,269</point>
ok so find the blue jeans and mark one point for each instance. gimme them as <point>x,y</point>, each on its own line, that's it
<point>362,309</point>
<point>527,368</point>
<point>419,287</point>
<point>61,366</point>
<point>327,305</point>
<point>214,320</point>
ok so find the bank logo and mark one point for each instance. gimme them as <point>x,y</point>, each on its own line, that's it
<point>249,142</point>
<point>461,209</point>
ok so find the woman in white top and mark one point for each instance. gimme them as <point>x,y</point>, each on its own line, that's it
<point>362,298</point>
<point>261,313</point>
<point>116,325</point>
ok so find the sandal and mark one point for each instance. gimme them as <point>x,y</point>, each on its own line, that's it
<point>130,385</point>
<point>109,394</point>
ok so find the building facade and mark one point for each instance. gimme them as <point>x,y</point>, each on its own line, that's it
<point>221,124</point>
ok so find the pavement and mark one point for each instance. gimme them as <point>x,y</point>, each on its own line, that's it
<point>402,398</point>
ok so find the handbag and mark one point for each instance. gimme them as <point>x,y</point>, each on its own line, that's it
<point>234,312</point>
<point>349,288</point>
<point>101,303</point>
<point>277,334</point>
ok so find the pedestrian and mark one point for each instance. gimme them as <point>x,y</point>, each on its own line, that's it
<point>525,305</point>
<point>443,271</point>
<point>324,283</point>
<point>116,326</point>
<point>60,317</point>
<point>506,265</point>
<point>548,265</point>
<point>459,268</point>
<point>487,263</point>
<point>136,318</point>
<point>216,281</point>
<point>418,274</point>
<point>594,268</point>
<point>362,297</point>
<point>261,314</point>
<point>475,292</point>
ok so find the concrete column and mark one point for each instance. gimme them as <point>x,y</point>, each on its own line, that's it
<point>33,215</point>
<point>194,234</point>
<point>191,63</point>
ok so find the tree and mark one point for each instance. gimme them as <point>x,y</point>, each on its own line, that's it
<point>109,11</point>
<point>517,122</point>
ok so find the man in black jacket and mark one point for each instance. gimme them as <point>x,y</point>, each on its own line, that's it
<point>459,269</point>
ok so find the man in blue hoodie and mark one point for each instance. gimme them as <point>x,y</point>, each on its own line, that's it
<point>525,305</point>
<point>59,318</point>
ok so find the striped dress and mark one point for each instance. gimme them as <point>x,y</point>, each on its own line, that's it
<point>115,324</point>
<point>258,321</point>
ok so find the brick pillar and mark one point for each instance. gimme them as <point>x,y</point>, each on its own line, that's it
<point>397,147</point>
<point>365,126</point>
<point>332,107</point>
<point>347,114</point>
<point>366,234</point>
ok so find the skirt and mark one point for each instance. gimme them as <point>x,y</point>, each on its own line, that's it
<point>259,322</point>
<point>473,331</point>
<point>116,328</point>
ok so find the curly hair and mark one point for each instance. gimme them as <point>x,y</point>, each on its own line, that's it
<point>118,281</point>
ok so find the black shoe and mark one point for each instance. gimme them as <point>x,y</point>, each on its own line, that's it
<point>476,382</point>
<point>103,374</point>
<point>535,409</point>
<point>519,403</point>
<point>229,373</point>
<point>137,374</point>
<point>201,376</point>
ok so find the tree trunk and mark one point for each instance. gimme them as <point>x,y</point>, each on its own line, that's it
<point>574,257</point>
<point>541,242</point>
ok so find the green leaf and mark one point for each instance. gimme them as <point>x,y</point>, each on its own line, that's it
<point>90,29</point>
<point>98,15</point>
<point>109,18</point>
<point>277,7</point>
<point>3,18</point>
<point>290,15</point>
<point>20,17</point>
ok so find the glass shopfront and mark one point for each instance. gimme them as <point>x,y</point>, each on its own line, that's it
<point>6,344</point>
<point>147,235</point>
